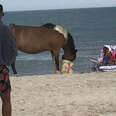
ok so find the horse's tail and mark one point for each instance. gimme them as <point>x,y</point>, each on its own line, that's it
<point>58,28</point>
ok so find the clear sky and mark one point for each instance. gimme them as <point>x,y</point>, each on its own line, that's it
<point>14,5</point>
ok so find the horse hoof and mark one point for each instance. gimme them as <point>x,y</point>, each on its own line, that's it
<point>16,75</point>
<point>58,72</point>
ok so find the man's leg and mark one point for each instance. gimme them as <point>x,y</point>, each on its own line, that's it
<point>6,103</point>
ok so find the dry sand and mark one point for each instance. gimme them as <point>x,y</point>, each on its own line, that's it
<point>90,94</point>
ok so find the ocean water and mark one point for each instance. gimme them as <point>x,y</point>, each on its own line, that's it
<point>91,28</point>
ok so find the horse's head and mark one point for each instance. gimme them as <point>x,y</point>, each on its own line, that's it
<point>69,49</point>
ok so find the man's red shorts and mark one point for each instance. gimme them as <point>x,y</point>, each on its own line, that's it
<point>4,79</point>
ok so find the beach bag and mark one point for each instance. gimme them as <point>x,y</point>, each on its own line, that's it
<point>67,67</point>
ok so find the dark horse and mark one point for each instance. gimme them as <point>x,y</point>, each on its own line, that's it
<point>48,37</point>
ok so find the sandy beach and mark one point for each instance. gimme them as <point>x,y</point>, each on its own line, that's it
<point>89,94</point>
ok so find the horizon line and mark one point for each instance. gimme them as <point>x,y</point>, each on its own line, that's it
<point>58,9</point>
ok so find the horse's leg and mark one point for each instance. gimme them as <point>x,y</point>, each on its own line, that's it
<point>57,63</point>
<point>55,59</point>
<point>13,66</point>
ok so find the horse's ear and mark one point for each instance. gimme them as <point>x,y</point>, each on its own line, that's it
<point>75,50</point>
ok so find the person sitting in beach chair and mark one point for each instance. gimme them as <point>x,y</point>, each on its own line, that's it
<point>104,57</point>
<point>106,60</point>
<point>107,55</point>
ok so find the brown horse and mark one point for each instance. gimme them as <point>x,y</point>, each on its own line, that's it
<point>48,37</point>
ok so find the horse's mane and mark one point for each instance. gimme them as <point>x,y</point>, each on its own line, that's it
<point>49,25</point>
<point>69,39</point>
<point>57,28</point>
<point>70,43</point>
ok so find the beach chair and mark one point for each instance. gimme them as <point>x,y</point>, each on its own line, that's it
<point>100,63</point>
